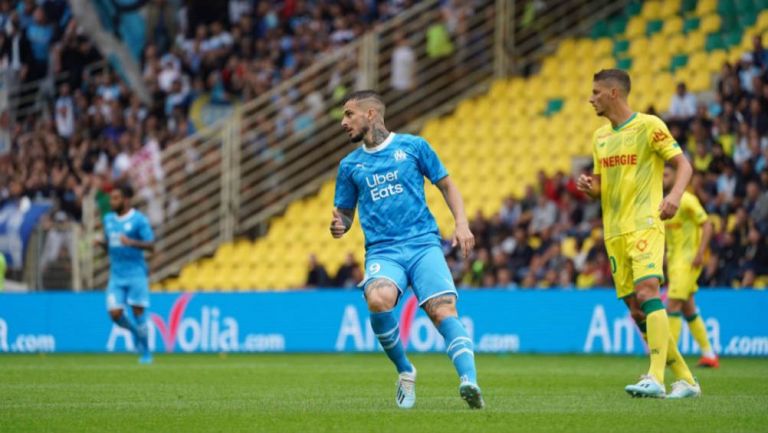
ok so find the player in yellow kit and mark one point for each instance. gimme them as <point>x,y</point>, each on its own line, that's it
<point>688,234</point>
<point>629,156</point>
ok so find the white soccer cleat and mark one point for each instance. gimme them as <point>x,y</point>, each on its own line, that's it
<point>648,387</point>
<point>683,389</point>
<point>406,390</point>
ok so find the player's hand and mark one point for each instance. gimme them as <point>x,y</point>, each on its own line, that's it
<point>698,260</point>
<point>464,238</point>
<point>126,241</point>
<point>584,184</point>
<point>337,225</point>
<point>668,207</point>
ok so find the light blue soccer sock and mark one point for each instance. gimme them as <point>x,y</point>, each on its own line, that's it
<point>142,333</point>
<point>125,322</point>
<point>459,348</point>
<point>388,332</point>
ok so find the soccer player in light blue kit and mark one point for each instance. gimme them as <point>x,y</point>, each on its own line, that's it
<point>384,178</point>
<point>127,235</point>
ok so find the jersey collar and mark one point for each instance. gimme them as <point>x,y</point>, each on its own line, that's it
<point>382,146</point>
<point>626,122</point>
<point>126,216</point>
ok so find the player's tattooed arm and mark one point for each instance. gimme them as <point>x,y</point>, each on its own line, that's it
<point>135,243</point>
<point>341,222</point>
<point>462,236</point>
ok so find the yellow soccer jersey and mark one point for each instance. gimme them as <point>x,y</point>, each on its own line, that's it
<point>684,230</point>
<point>630,161</point>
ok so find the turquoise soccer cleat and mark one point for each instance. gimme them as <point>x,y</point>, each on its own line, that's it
<point>406,390</point>
<point>648,387</point>
<point>145,358</point>
<point>470,392</point>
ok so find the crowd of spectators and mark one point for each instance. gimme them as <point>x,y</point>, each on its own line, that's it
<point>97,131</point>
<point>552,236</point>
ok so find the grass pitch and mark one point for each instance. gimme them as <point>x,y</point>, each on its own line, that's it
<point>355,393</point>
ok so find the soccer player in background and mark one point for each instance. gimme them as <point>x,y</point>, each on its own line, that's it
<point>127,234</point>
<point>384,178</point>
<point>629,156</point>
<point>688,235</point>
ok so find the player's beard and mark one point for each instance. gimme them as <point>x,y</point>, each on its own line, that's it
<point>359,137</point>
<point>120,209</point>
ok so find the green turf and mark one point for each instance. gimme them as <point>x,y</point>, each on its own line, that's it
<point>355,393</point>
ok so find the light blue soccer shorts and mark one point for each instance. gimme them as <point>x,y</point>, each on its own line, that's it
<point>127,291</point>
<point>420,266</point>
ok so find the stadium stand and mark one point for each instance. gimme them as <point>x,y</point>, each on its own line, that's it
<point>509,151</point>
<point>529,135</point>
<point>92,131</point>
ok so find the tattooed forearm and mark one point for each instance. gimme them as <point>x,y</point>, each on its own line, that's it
<point>347,216</point>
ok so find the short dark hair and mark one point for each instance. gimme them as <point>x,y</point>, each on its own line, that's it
<point>126,190</point>
<point>364,94</point>
<point>618,76</point>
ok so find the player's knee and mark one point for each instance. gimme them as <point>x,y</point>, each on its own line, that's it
<point>441,308</point>
<point>689,308</point>
<point>647,289</point>
<point>138,311</point>
<point>115,314</point>
<point>637,315</point>
<point>381,295</point>
<point>674,305</point>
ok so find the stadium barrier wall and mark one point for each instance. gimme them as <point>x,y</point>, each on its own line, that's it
<point>552,321</point>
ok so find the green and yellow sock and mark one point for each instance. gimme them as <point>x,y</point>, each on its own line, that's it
<point>675,324</point>
<point>699,332</point>
<point>658,336</point>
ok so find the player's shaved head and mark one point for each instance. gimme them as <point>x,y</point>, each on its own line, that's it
<point>615,77</point>
<point>367,99</point>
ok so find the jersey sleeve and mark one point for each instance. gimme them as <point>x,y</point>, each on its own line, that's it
<point>661,139</point>
<point>595,158</point>
<point>429,163</point>
<point>346,190</point>
<point>145,230</point>
<point>696,210</point>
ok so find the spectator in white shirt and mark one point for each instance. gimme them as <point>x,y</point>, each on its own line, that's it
<point>403,65</point>
<point>65,113</point>
<point>683,105</point>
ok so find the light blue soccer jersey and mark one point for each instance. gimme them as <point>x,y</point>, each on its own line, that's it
<point>126,263</point>
<point>387,186</point>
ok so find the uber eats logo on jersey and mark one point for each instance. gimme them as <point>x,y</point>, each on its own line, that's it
<point>383,186</point>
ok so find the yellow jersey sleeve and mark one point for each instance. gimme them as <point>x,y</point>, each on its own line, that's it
<point>595,158</point>
<point>661,139</point>
<point>695,209</point>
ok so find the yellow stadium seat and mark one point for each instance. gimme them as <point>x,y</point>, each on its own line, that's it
<point>670,8</point>
<point>695,41</point>
<point>638,47</point>
<point>672,26</point>
<point>636,27</point>
<point>710,23</point>
<point>651,10</point>
<point>762,21</point>
<point>704,7</point>
<point>716,59</point>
